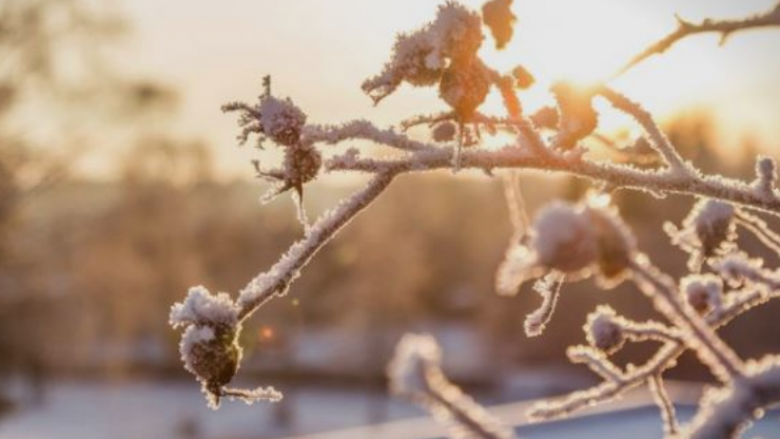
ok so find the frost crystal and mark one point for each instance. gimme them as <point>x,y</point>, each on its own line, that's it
<point>202,308</point>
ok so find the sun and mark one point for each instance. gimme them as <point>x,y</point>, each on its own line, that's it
<point>578,41</point>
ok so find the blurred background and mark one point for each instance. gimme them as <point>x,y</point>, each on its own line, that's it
<point>121,186</point>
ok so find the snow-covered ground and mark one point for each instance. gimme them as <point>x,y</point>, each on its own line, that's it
<point>85,410</point>
<point>165,410</point>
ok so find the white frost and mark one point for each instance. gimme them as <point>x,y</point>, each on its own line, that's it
<point>201,307</point>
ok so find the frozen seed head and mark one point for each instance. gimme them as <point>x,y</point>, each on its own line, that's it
<point>301,165</point>
<point>564,239</point>
<point>713,222</point>
<point>420,58</point>
<point>417,357</point>
<point>458,31</point>
<point>445,132</point>
<point>209,346</point>
<point>281,120</point>
<point>708,231</point>
<point>704,292</point>
<point>203,308</point>
<point>212,354</point>
<point>278,119</point>
<point>604,330</point>
<point>465,86</point>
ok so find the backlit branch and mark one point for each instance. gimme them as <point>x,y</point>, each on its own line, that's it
<point>565,243</point>
<point>723,27</point>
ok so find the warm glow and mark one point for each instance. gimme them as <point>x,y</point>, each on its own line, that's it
<point>321,52</point>
<point>266,333</point>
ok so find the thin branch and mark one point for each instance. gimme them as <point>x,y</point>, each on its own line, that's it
<point>722,361</point>
<point>616,176</point>
<point>664,358</point>
<point>277,280</point>
<point>658,139</point>
<point>685,29</point>
<point>365,130</point>
<point>657,388</point>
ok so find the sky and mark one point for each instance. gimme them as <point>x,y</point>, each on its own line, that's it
<point>319,51</point>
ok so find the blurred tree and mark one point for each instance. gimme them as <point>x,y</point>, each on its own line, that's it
<point>58,88</point>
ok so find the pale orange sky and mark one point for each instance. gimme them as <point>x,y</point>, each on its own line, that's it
<point>319,51</point>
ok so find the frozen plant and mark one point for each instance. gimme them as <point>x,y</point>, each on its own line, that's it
<point>415,373</point>
<point>564,242</point>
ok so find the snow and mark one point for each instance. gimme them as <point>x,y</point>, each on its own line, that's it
<point>201,307</point>
<point>161,410</point>
<point>195,335</point>
<point>281,119</point>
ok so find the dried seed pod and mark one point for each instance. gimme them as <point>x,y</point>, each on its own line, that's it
<point>708,231</point>
<point>301,165</point>
<point>445,132</point>
<point>465,86</point>
<point>704,292</point>
<point>714,225</point>
<point>604,331</point>
<point>281,120</point>
<point>564,239</point>
<point>212,354</point>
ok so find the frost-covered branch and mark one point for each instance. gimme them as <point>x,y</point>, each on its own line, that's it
<point>415,373</point>
<point>278,278</point>
<point>565,243</point>
<point>614,176</point>
<point>725,28</point>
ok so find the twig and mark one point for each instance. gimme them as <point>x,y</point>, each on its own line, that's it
<point>685,29</point>
<point>276,280</point>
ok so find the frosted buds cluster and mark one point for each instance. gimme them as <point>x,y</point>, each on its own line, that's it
<point>281,121</point>
<point>567,242</point>
<point>710,231</point>
<point>444,54</point>
<point>209,347</point>
<point>574,241</point>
